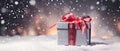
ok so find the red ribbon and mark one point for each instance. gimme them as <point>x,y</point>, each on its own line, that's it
<point>75,22</point>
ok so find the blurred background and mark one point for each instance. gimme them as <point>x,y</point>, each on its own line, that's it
<point>34,17</point>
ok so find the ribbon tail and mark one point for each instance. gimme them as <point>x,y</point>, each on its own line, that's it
<point>51,26</point>
<point>83,27</point>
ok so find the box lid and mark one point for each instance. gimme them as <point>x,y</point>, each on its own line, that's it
<point>64,25</point>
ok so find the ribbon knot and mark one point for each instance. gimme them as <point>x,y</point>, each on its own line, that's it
<point>79,21</point>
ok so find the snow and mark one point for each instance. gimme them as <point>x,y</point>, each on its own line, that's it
<point>84,13</point>
<point>2,21</point>
<point>39,10</point>
<point>66,9</point>
<point>1,18</point>
<point>32,2</point>
<point>51,0</point>
<point>103,8</point>
<point>113,1</point>
<point>49,43</point>
<point>114,20</point>
<point>92,7</point>
<point>3,10</point>
<point>97,2</point>
<point>118,10</point>
<point>16,2</point>
<point>106,0</point>
<point>76,1</point>
<point>22,16</point>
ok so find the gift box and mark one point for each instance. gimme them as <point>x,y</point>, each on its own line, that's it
<point>68,34</point>
<point>73,30</point>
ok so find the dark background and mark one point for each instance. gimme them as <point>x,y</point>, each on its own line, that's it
<point>20,17</point>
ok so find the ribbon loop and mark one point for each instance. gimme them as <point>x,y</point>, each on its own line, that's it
<point>79,21</point>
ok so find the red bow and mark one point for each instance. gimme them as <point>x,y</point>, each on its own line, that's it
<point>79,21</point>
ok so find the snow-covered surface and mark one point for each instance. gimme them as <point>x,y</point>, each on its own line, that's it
<point>49,43</point>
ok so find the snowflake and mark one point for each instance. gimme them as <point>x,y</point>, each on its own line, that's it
<point>76,1</point>
<point>22,16</point>
<point>8,23</point>
<point>3,10</point>
<point>11,11</point>
<point>118,10</point>
<point>114,20</point>
<point>92,7</point>
<point>60,3</point>
<point>1,17</point>
<point>73,8</point>
<point>103,18</point>
<point>5,27</point>
<point>16,2</point>
<point>26,5</point>
<point>108,13</point>
<point>2,21</point>
<point>19,11</point>
<point>48,3</point>
<point>108,10</point>
<point>38,10</point>
<point>51,0</point>
<point>113,1</point>
<point>97,2</point>
<point>50,13</point>
<point>11,5</point>
<point>83,13</point>
<point>14,17</point>
<point>98,8</point>
<point>6,7</point>
<point>103,8</point>
<point>93,22</point>
<point>9,14</point>
<point>96,17</point>
<point>80,6</point>
<point>32,2</point>
<point>106,0</point>
<point>31,15</point>
<point>66,9</point>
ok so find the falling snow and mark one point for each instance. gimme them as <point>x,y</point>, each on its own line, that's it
<point>2,21</point>
<point>92,7</point>
<point>3,10</point>
<point>97,2</point>
<point>113,1</point>
<point>103,8</point>
<point>16,2</point>
<point>1,17</point>
<point>32,2</point>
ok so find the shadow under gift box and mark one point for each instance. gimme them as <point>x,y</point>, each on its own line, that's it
<point>81,39</point>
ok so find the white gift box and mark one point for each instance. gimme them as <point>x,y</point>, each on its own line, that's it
<point>81,39</point>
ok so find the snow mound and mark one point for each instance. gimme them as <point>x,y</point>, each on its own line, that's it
<point>49,43</point>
